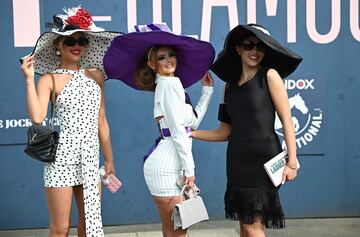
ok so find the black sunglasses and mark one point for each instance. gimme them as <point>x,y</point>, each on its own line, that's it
<point>250,45</point>
<point>70,41</point>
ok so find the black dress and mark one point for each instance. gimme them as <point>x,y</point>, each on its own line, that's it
<point>251,113</point>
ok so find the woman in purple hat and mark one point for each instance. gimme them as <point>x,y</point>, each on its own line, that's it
<point>154,59</point>
<point>69,60</point>
<point>253,64</point>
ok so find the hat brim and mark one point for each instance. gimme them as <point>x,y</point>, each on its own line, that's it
<point>47,61</point>
<point>194,57</point>
<point>94,29</point>
<point>228,63</point>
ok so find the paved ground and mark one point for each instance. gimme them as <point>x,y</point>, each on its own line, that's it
<point>336,227</point>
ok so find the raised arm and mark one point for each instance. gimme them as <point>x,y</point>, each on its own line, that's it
<point>203,103</point>
<point>37,99</point>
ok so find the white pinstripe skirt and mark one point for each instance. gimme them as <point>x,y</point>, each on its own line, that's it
<point>163,168</point>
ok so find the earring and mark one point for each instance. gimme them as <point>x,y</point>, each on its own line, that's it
<point>57,52</point>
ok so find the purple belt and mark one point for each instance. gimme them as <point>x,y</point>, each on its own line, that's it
<point>164,132</point>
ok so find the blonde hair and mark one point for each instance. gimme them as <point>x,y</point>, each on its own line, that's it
<point>57,42</point>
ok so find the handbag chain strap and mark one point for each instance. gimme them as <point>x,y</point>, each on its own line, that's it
<point>52,100</point>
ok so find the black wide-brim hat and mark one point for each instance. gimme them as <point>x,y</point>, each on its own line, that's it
<point>228,65</point>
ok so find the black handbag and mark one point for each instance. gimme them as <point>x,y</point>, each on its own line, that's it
<point>42,141</point>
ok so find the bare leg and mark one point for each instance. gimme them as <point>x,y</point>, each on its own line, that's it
<point>165,207</point>
<point>253,230</point>
<point>242,233</point>
<point>59,204</point>
<point>79,197</point>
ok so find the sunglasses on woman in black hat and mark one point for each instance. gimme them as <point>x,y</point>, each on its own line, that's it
<point>249,45</point>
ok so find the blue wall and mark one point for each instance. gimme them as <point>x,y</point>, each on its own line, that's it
<point>328,182</point>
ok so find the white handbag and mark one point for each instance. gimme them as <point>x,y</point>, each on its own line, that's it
<point>189,212</point>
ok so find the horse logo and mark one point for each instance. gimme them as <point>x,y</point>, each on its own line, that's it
<point>298,102</point>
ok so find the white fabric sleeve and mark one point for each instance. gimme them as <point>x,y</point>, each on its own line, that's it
<point>173,105</point>
<point>202,105</point>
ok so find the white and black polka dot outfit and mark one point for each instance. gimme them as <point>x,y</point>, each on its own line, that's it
<point>77,157</point>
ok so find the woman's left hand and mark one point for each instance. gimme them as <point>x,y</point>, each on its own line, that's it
<point>190,181</point>
<point>109,168</point>
<point>207,80</point>
<point>288,174</point>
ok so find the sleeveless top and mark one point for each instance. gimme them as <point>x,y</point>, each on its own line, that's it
<point>251,106</point>
<point>77,108</point>
<point>250,111</point>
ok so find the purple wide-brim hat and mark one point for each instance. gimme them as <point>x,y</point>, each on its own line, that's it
<point>194,57</point>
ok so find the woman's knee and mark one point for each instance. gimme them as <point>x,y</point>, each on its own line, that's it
<point>60,229</point>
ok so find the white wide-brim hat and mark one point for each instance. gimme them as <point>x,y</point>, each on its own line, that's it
<point>44,54</point>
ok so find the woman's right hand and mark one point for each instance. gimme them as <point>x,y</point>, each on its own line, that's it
<point>207,80</point>
<point>27,66</point>
<point>189,181</point>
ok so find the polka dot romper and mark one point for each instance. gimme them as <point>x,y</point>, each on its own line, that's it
<point>77,157</point>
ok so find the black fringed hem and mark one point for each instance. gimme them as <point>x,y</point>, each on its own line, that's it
<point>248,204</point>
<point>268,222</point>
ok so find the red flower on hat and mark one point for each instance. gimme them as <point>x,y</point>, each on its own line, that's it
<point>82,18</point>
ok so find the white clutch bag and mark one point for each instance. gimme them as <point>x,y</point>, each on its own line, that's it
<point>189,212</point>
<point>275,167</point>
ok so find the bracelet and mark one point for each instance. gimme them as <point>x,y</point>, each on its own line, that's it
<point>28,83</point>
<point>293,168</point>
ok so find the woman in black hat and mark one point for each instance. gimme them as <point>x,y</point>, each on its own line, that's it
<point>253,64</point>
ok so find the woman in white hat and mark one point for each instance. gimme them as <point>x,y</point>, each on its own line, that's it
<point>71,56</point>
<point>253,64</point>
